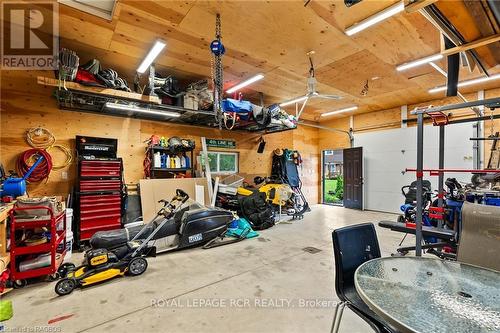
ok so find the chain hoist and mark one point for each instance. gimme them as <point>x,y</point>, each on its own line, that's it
<point>218,50</point>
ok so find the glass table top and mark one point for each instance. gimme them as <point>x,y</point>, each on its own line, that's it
<point>431,295</point>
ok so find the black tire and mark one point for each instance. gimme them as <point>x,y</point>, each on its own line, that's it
<point>65,268</point>
<point>65,286</point>
<point>137,266</point>
<point>18,284</point>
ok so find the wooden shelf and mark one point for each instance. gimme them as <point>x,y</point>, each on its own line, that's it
<point>169,150</point>
<point>46,81</point>
<point>171,169</point>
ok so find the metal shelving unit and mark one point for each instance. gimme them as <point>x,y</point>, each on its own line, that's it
<point>162,172</point>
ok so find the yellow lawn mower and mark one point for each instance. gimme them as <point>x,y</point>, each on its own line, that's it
<point>101,265</point>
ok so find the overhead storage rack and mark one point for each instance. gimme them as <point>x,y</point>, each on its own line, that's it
<point>76,97</point>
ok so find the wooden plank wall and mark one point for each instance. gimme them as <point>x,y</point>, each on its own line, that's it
<point>26,104</point>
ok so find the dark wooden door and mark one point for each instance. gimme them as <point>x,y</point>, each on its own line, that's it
<point>353,178</point>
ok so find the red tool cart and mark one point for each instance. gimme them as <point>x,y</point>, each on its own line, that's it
<point>99,196</point>
<point>19,250</point>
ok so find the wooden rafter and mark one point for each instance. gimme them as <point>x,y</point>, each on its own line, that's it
<point>472,45</point>
<point>416,5</point>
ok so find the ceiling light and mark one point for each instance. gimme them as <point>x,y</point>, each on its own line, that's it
<point>245,83</point>
<point>132,108</point>
<point>352,108</point>
<point>293,101</point>
<point>467,83</point>
<point>153,53</point>
<point>419,62</point>
<point>374,19</point>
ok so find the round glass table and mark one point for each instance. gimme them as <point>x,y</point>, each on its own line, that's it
<point>418,294</point>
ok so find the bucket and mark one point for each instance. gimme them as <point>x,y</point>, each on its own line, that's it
<point>69,219</point>
<point>69,245</point>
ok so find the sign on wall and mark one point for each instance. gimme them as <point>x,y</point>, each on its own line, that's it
<point>220,143</point>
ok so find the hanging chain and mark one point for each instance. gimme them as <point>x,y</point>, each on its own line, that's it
<point>218,29</point>
<point>218,73</point>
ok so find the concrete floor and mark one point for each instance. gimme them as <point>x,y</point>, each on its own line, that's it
<point>265,284</point>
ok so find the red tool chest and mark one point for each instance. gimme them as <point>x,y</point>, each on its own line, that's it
<point>100,193</point>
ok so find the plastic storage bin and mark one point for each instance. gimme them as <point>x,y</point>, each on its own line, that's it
<point>230,184</point>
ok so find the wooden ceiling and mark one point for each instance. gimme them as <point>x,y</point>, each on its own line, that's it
<point>273,37</point>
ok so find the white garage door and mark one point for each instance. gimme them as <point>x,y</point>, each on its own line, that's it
<point>387,153</point>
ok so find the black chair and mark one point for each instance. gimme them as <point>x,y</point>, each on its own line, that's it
<point>352,246</point>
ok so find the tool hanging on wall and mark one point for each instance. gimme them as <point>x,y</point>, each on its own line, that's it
<point>42,138</point>
<point>34,156</point>
<point>218,50</point>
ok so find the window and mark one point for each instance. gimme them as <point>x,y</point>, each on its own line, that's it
<point>222,162</point>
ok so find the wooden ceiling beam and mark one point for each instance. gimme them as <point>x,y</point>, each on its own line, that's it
<point>416,5</point>
<point>472,45</point>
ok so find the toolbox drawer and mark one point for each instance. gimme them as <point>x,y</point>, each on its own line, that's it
<point>99,173</point>
<point>87,231</point>
<point>105,198</point>
<point>87,214</point>
<point>99,185</point>
<point>104,164</point>
<point>100,169</point>
<point>100,206</point>
<point>96,214</point>
<point>104,219</point>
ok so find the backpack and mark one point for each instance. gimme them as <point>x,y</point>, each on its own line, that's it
<point>257,210</point>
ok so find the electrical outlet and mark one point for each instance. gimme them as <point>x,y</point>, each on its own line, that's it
<point>64,175</point>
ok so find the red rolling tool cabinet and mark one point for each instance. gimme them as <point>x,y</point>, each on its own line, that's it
<point>99,196</point>
<point>56,226</point>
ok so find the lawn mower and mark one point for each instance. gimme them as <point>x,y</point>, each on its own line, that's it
<point>101,264</point>
<point>191,225</point>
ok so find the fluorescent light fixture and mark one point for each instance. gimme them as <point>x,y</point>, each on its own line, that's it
<point>374,19</point>
<point>467,83</point>
<point>245,83</point>
<point>123,107</point>
<point>419,62</point>
<point>352,108</point>
<point>293,101</point>
<point>153,53</point>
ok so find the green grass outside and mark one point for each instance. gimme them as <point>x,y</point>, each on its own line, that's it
<point>330,186</point>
